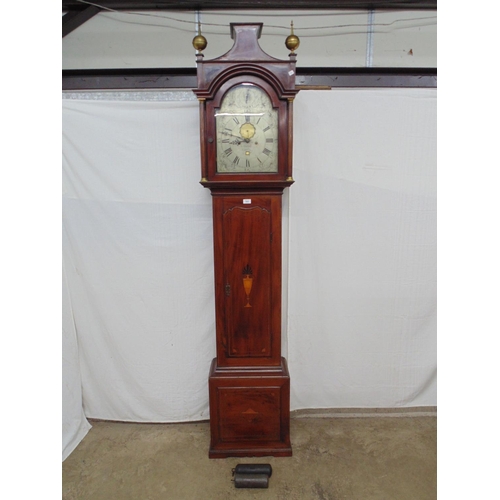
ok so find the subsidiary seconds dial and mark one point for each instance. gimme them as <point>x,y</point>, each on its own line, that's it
<point>247,131</point>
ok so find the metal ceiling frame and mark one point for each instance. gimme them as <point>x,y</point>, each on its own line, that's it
<point>78,12</point>
<point>75,18</point>
<point>254,4</point>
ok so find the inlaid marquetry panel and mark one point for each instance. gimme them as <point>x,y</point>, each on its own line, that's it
<point>247,271</point>
<point>247,234</point>
<point>249,414</point>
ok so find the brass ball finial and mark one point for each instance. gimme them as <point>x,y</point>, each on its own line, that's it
<point>199,41</point>
<point>292,41</point>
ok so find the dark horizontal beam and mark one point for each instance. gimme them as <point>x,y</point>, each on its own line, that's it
<point>75,18</point>
<point>255,4</point>
<point>366,77</point>
<point>108,79</point>
<point>185,78</point>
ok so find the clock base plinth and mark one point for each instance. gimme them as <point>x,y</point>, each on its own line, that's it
<point>249,411</point>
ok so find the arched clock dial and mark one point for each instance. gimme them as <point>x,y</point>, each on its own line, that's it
<point>247,131</point>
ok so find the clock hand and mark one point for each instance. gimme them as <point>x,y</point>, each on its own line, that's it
<point>227,133</point>
<point>238,140</point>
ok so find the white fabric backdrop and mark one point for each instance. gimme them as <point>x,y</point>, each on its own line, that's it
<point>139,258</point>
<point>360,242</point>
<point>362,265</point>
<point>74,424</point>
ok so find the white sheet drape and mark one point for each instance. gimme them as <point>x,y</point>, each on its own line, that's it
<point>74,424</point>
<point>362,272</point>
<point>360,242</point>
<point>139,258</point>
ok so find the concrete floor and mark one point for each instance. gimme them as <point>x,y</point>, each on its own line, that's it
<point>391,456</point>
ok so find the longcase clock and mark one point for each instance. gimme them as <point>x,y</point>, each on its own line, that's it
<point>246,99</point>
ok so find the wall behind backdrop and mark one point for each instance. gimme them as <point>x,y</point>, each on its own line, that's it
<point>359,271</point>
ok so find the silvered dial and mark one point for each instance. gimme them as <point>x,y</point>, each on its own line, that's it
<point>247,131</point>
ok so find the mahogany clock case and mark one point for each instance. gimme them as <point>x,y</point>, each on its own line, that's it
<point>247,258</point>
<point>249,383</point>
<point>249,412</point>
